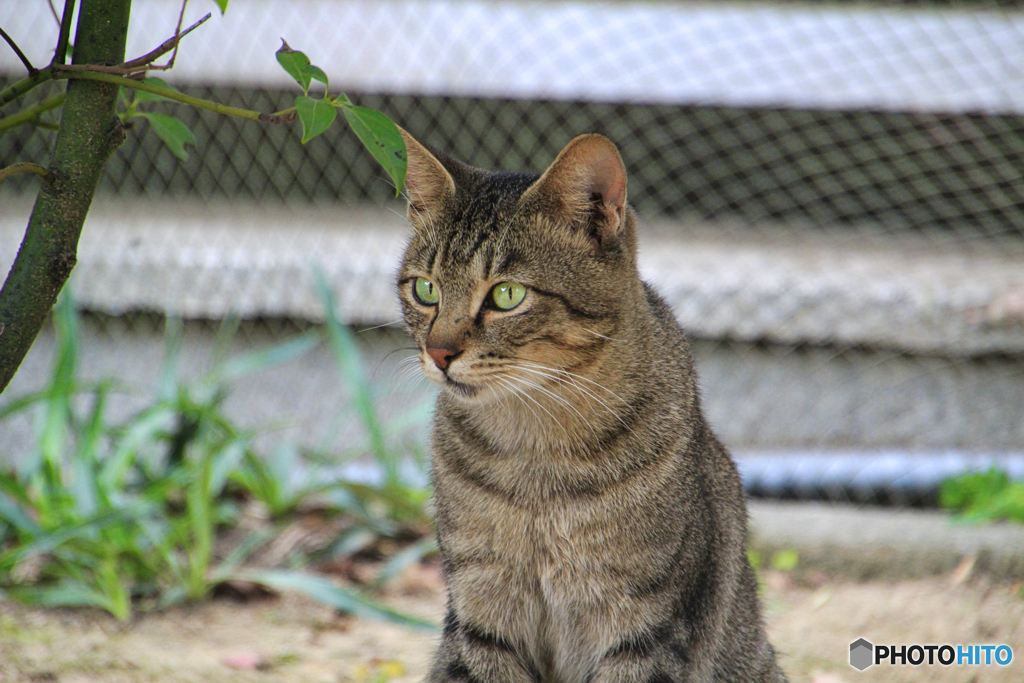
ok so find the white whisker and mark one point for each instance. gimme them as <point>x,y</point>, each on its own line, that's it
<point>586,394</point>
<point>563,401</point>
<point>580,377</point>
<point>602,336</point>
<point>377,327</point>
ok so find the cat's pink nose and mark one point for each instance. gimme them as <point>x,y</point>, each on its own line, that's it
<point>441,356</point>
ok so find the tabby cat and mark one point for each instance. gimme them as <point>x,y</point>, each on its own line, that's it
<point>592,528</point>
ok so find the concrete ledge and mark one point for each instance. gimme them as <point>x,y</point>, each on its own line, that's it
<point>869,543</point>
<point>204,260</point>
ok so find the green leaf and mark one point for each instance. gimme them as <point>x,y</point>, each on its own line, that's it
<point>316,116</point>
<point>143,96</point>
<point>173,132</point>
<point>324,591</point>
<point>315,73</point>
<point>223,5</point>
<point>380,135</point>
<point>295,63</point>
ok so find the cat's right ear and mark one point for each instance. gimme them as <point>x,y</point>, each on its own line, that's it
<point>585,188</point>
<point>427,183</point>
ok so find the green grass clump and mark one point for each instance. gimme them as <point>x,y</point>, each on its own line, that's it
<point>123,516</point>
<point>984,496</point>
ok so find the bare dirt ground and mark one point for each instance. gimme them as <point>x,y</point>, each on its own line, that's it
<point>811,620</point>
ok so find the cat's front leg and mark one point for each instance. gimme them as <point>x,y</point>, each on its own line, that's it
<point>467,655</point>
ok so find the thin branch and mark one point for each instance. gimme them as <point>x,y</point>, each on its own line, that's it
<point>92,75</point>
<point>53,11</point>
<point>24,167</point>
<point>177,31</point>
<point>100,69</point>
<point>140,64</point>
<point>164,48</point>
<point>24,85</point>
<point>31,115</point>
<point>60,55</point>
<point>17,50</point>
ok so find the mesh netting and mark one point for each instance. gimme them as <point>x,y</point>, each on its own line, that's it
<point>898,124</point>
<point>761,167</point>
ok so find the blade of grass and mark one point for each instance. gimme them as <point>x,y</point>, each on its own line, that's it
<point>241,553</point>
<point>404,559</point>
<point>348,358</point>
<point>168,381</point>
<point>48,541</point>
<point>143,428</point>
<point>65,594</point>
<point>263,360</point>
<point>12,513</point>
<point>323,590</point>
<point>225,334</point>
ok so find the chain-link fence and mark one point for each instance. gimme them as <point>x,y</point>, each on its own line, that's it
<point>834,192</point>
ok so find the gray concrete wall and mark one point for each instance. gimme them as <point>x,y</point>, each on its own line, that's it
<point>758,397</point>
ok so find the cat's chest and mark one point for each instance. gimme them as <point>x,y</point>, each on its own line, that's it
<point>550,584</point>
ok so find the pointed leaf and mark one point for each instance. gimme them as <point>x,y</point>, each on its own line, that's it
<point>295,63</point>
<point>315,73</point>
<point>143,96</point>
<point>380,135</point>
<point>223,5</point>
<point>173,132</point>
<point>316,116</point>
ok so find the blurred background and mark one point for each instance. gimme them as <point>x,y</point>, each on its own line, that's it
<point>831,197</point>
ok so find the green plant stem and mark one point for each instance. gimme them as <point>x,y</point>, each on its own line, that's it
<point>89,134</point>
<point>24,85</point>
<point>30,115</point>
<point>174,95</point>
<point>24,167</point>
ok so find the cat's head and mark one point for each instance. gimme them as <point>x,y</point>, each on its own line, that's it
<point>512,280</point>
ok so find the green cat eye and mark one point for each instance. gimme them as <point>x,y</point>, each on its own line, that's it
<point>426,292</point>
<point>507,295</point>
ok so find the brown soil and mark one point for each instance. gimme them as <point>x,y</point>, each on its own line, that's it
<point>289,639</point>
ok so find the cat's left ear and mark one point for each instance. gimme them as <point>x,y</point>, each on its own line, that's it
<point>585,186</point>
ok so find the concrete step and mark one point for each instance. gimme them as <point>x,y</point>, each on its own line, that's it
<point>824,341</point>
<point>871,543</point>
<point>915,294</point>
